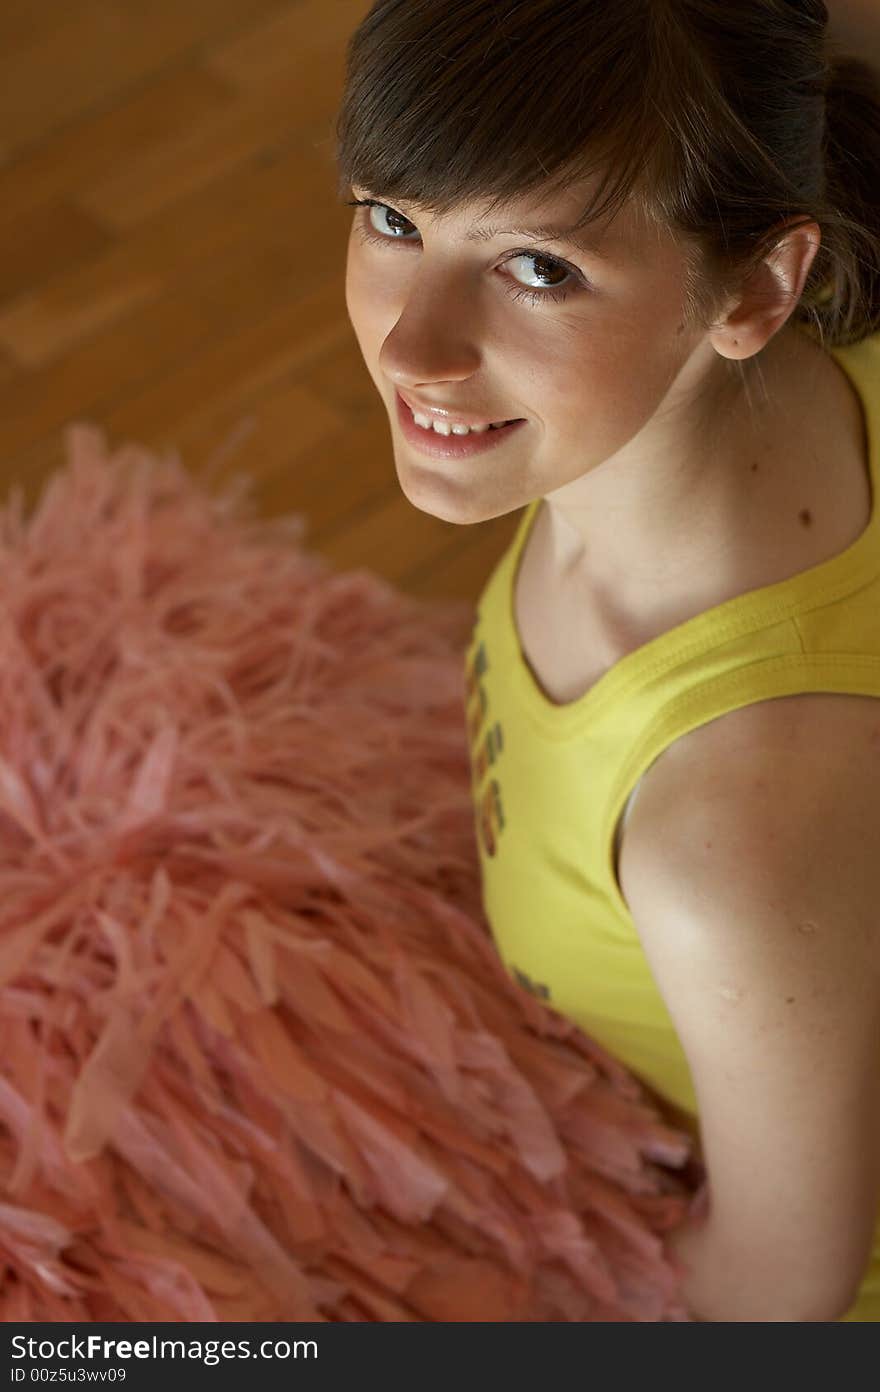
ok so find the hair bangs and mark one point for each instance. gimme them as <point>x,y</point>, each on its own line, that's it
<point>458,111</point>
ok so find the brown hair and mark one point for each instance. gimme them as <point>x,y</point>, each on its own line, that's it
<point>719,120</point>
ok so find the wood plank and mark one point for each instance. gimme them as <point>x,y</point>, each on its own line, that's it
<point>290,39</point>
<point>284,424</point>
<point>98,141</point>
<point>45,242</point>
<point>462,570</point>
<point>85,54</point>
<point>171,372</point>
<point>256,208</point>
<point>266,351</point>
<point>39,401</point>
<point>283,76</point>
<point>390,537</point>
<point>341,379</point>
<point>334,484</point>
<point>9,369</point>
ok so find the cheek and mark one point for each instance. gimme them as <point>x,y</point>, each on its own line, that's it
<point>356,300</point>
<point>365,315</point>
<point>602,394</point>
<point>367,303</point>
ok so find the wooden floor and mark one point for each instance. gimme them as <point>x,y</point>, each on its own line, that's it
<point>172,259</point>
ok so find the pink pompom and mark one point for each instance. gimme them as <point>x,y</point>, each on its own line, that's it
<point>260,1060</point>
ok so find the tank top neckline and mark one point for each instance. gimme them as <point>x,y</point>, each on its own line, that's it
<point>857,564</point>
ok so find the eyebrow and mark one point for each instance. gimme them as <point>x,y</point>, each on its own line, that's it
<point>566,236</point>
<point>543,232</point>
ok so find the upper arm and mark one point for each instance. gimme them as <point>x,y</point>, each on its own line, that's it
<point>757,908</point>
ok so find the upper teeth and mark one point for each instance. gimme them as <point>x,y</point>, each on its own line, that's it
<point>446,427</point>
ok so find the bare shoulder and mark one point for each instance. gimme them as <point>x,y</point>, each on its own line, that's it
<point>769,748</point>
<point>781,793</point>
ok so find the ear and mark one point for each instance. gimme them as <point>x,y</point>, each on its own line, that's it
<point>770,294</point>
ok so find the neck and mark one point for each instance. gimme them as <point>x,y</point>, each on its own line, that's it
<point>647,530</point>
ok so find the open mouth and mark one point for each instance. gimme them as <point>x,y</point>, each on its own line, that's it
<point>448,442</point>
<point>447,428</point>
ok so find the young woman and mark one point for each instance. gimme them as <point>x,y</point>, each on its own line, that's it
<point>646,236</point>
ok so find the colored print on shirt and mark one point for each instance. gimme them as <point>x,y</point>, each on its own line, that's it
<point>486,744</point>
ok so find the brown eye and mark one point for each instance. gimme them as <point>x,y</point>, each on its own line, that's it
<point>547,267</point>
<point>393,220</point>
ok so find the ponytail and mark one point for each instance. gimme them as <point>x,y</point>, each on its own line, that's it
<point>845,304</point>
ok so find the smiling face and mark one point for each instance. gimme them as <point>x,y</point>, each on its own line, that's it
<point>584,340</point>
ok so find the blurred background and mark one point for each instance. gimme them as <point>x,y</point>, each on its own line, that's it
<point>172,267</point>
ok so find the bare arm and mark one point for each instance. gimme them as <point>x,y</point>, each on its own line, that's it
<point>854,28</point>
<point>756,907</point>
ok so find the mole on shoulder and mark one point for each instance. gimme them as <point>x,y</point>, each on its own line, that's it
<point>806,517</point>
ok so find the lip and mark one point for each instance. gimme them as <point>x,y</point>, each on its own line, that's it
<point>450,446</point>
<point>441,414</point>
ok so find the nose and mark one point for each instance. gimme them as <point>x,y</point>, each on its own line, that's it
<point>435,338</point>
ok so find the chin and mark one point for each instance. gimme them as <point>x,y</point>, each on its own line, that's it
<point>433,493</point>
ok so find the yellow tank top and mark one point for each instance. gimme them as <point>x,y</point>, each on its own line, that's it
<point>551,783</point>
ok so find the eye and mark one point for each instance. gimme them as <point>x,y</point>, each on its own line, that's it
<point>548,264</point>
<point>394,220</point>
